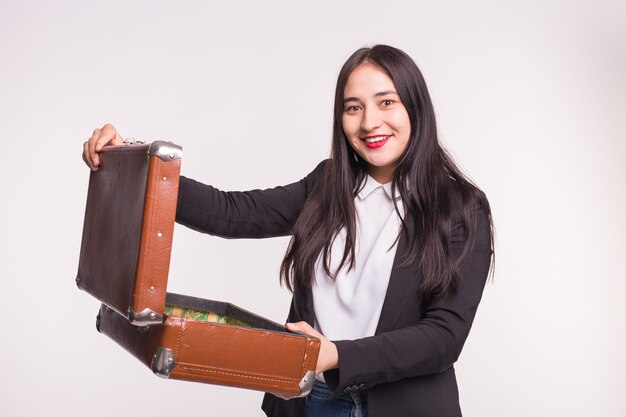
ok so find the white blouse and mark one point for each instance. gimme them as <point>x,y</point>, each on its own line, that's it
<point>349,307</point>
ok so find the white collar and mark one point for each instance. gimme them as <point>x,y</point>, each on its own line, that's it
<point>371,184</point>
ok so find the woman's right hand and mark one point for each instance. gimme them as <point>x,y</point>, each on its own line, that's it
<point>108,135</point>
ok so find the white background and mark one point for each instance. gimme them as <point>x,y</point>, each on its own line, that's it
<point>530,98</point>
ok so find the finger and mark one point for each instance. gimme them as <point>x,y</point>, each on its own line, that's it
<point>108,136</point>
<point>300,325</point>
<point>303,327</point>
<point>91,145</point>
<point>119,140</point>
<point>87,157</point>
<point>89,152</point>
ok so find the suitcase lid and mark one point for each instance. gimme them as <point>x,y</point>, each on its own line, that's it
<point>127,233</point>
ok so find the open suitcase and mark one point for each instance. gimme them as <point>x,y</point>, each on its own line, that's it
<point>124,262</point>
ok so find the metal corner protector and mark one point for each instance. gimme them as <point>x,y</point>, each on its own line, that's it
<point>166,151</point>
<point>306,384</point>
<point>163,362</point>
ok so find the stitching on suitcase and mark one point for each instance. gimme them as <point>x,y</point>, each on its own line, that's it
<point>181,330</point>
<point>308,356</point>
<point>309,348</point>
<point>191,368</point>
<point>305,362</point>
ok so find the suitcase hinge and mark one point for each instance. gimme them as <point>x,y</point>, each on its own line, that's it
<point>145,318</point>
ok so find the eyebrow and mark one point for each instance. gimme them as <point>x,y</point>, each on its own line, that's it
<point>379,94</point>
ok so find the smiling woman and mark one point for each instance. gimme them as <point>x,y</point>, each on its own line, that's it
<point>390,250</point>
<point>375,121</point>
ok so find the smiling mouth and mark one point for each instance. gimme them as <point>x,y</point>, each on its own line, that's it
<point>375,141</point>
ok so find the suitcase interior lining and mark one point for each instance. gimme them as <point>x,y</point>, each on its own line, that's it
<point>200,309</point>
<point>200,315</point>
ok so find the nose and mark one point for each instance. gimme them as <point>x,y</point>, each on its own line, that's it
<point>371,119</point>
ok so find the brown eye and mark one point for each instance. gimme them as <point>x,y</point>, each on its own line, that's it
<point>352,109</point>
<point>387,103</point>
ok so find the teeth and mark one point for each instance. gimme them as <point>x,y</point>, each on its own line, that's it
<point>376,139</point>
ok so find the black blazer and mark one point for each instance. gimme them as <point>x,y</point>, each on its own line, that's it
<point>407,367</point>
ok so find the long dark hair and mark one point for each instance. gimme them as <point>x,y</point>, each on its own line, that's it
<point>424,178</point>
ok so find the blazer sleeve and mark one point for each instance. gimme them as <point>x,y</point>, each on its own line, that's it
<point>434,342</point>
<point>243,214</point>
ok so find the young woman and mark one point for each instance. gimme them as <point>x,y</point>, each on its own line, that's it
<point>390,250</point>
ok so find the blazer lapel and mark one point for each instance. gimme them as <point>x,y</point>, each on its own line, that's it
<point>403,285</point>
<point>302,305</point>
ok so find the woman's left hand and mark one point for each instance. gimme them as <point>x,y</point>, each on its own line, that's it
<point>328,357</point>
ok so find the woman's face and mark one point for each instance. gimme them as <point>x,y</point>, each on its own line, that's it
<point>375,121</point>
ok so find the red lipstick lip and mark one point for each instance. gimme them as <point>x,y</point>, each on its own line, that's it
<point>373,136</point>
<point>378,144</point>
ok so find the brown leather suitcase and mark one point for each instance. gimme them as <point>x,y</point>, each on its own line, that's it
<point>124,262</point>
